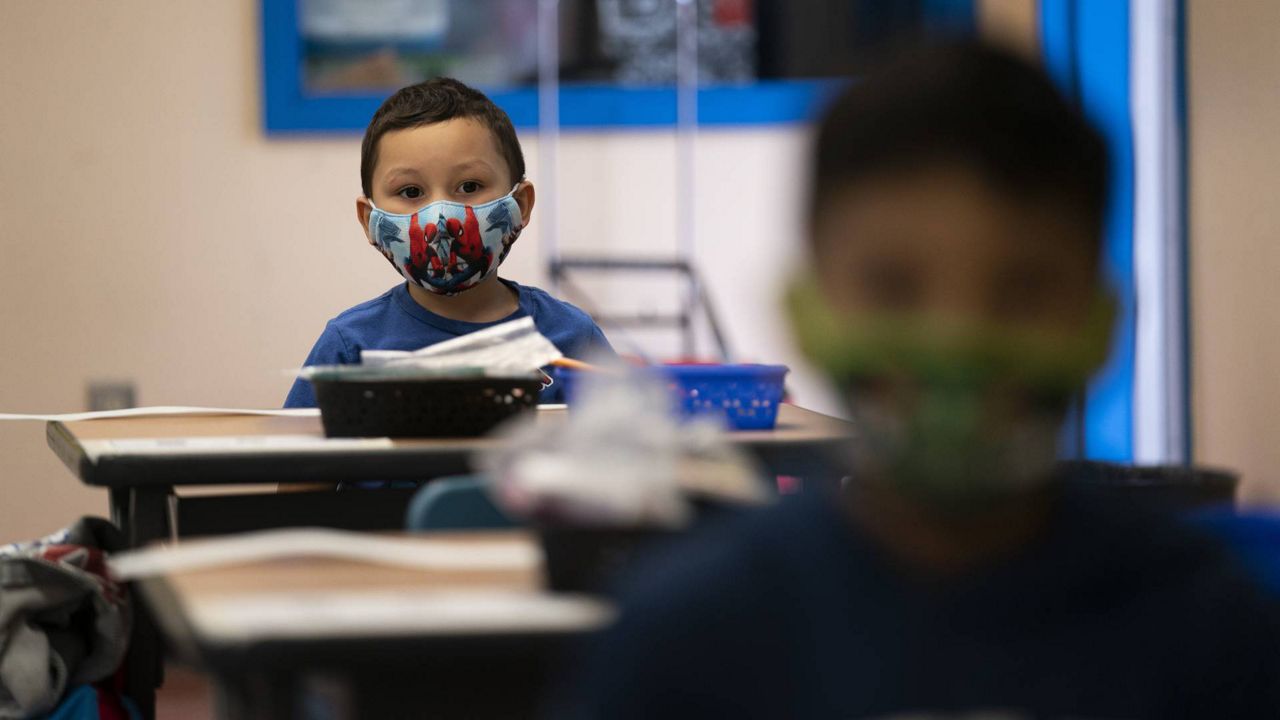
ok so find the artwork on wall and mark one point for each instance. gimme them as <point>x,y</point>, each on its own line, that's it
<point>327,64</point>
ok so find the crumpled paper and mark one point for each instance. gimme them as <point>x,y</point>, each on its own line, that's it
<point>623,458</point>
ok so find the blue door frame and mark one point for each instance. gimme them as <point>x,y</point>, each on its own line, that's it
<point>1085,45</point>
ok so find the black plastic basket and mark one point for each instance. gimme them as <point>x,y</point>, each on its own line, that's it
<point>433,407</point>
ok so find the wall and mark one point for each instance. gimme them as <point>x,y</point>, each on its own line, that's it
<point>1233,63</point>
<point>1014,23</point>
<point>152,233</point>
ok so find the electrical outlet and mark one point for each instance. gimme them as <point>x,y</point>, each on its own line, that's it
<point>111,395</point>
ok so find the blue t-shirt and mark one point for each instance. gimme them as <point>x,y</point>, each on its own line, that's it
<point>795,613</point>
<point>395,321</point>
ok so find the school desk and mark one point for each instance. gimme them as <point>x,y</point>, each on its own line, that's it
<point>142,460</point>
<point>324,637</point>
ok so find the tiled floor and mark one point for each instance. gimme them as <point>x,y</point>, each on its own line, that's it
<point>186,695</point>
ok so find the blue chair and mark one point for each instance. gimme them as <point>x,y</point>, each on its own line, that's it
<point>459,502</point>
<point>1253,536</point>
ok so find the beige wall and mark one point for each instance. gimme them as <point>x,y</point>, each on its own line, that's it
<point>1234,95</point>
<point>1014,23</point>
<point>152,233</point>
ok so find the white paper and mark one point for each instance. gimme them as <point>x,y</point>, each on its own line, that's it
<point>514,346</point>
<point>248,617</point>
<point>228,445</point>
<point>449,555</point>
<point>159,411</point>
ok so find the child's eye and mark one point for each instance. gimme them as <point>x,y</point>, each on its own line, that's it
<point>468,187</point>
<point>410,193</point>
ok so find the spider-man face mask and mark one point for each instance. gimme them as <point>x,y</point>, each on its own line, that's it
<point>447,247</point>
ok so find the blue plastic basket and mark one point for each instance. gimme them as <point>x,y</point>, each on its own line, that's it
<point>746,395</point>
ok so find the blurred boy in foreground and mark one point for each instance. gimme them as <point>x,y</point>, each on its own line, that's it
<point>955,299</point>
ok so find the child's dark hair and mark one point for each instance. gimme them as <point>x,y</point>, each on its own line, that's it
<point>973,105</point>
<point>434,101</point>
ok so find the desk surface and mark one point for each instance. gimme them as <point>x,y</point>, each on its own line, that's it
<point>234,449</point>
<point>373,640</point>
<point>310,601</point>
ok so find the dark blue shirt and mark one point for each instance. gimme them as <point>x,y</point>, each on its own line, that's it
<point>794,613</point>
<point>395,321</point>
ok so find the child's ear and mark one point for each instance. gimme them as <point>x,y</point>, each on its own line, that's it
<point>363,208</point>
<point>524,196</point>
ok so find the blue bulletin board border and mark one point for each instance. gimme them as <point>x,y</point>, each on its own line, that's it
<point>287,109</point>
<point>1085,46</point>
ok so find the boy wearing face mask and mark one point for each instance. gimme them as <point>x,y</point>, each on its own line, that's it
<point>444,198</point>
<point>955,301</point>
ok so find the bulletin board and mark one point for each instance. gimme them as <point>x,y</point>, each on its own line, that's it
<point>328,64</point>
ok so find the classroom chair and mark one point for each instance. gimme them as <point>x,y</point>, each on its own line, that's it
<point>1252,536</point>
<point>459,502</point>
<point>1172,488</point>
<point>1205,497</point>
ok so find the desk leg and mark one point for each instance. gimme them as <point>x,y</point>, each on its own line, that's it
<point>148,514</point>
<point>143,515</point>
<point>121,501</point>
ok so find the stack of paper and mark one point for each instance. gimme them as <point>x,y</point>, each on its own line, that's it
<point>512,348</point>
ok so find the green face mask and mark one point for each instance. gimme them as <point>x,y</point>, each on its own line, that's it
<point>937,436</point>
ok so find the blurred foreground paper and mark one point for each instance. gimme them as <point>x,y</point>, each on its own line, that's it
<point>245,617</point>
<point>316,542</point>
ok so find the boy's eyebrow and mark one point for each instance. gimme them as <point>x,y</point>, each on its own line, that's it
<point>474,162</point>
<point>401,171</point>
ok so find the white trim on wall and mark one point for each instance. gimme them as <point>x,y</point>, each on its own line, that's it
<point>1159,389</point>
